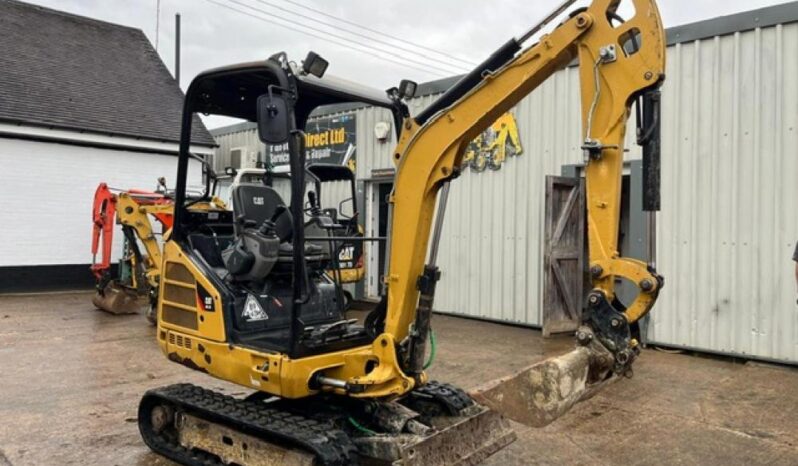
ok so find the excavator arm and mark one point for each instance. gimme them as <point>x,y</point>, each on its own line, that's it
<point>619,63</point>
<point>130,209</point>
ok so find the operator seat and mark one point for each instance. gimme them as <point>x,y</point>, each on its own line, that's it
<point>254,204</point>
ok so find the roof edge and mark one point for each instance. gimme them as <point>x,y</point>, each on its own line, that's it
<point>768,16</point>
<point>76,129</point>
<point>234,128</point>
<point>71,15</point>
<point>323,111</point>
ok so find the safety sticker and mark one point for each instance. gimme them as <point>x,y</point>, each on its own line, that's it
<point>252,310</point>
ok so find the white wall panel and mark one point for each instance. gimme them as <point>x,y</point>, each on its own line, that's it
<point>491,251</point>
<point>47,190</point>
<point>728,225</point>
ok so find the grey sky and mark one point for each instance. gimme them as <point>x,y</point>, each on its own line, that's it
<point>214,35</point>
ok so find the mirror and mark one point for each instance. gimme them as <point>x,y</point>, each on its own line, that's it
<point>273,119</point>
<point>346,208</point>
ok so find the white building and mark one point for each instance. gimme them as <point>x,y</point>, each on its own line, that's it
<point>81,101</point>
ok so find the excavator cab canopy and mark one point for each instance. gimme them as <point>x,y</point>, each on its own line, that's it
<point>234,91</point>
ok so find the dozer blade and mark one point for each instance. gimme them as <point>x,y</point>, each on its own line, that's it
<point>541,393</point>
<point>117,299</point>
<point>467,439</point>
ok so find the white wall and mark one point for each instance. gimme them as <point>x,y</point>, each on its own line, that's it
<point>47,190</point>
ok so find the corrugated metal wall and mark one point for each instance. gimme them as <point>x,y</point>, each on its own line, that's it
<point>491,249</point>
<point>730,188</point>
<point>371,153</point>
<point>244,136</point>
<point>727,228</point>
<point>492,244</point>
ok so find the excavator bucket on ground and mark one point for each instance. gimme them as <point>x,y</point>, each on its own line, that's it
<point>118,299</point>
<point>541,393</point>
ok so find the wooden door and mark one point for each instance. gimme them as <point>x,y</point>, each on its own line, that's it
<point>563,255</point>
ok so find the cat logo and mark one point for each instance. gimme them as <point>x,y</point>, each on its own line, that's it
<point>252,310</point>
<point>257,200</point>
<point>347,253</point>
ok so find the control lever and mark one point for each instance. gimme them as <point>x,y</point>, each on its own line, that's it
<point>315,210</point>
<point>268,228</point>
<point>324,221</point>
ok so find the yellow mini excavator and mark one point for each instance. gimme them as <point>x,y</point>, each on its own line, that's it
<point>261,313</point>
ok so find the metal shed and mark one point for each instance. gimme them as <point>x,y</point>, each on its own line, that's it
<point>727,229</point>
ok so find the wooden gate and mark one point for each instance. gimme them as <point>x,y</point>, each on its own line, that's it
<point>563,255</point>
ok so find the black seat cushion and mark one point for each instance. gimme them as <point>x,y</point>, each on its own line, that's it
<point>311,251</point>
<point>258,203</point>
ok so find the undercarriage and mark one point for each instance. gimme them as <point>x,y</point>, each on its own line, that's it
<point>435,425</point>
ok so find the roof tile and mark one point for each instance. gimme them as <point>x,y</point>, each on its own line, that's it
<point>73,72</point>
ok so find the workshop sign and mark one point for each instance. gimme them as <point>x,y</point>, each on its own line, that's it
<point>327,140</point>
<point>492,148</point>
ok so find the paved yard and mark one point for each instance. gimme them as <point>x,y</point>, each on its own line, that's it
<point>71,378</point>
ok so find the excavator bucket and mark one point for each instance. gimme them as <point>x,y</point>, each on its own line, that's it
<point>117,299</point>
<point>541,393</point>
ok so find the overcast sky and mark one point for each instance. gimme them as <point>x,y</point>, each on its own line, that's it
<point>213,34</point>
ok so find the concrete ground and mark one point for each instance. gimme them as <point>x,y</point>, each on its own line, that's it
<point>71,378</point>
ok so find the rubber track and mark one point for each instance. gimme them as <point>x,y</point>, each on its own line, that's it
<point>331,445</point>
<point>452,398</point>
